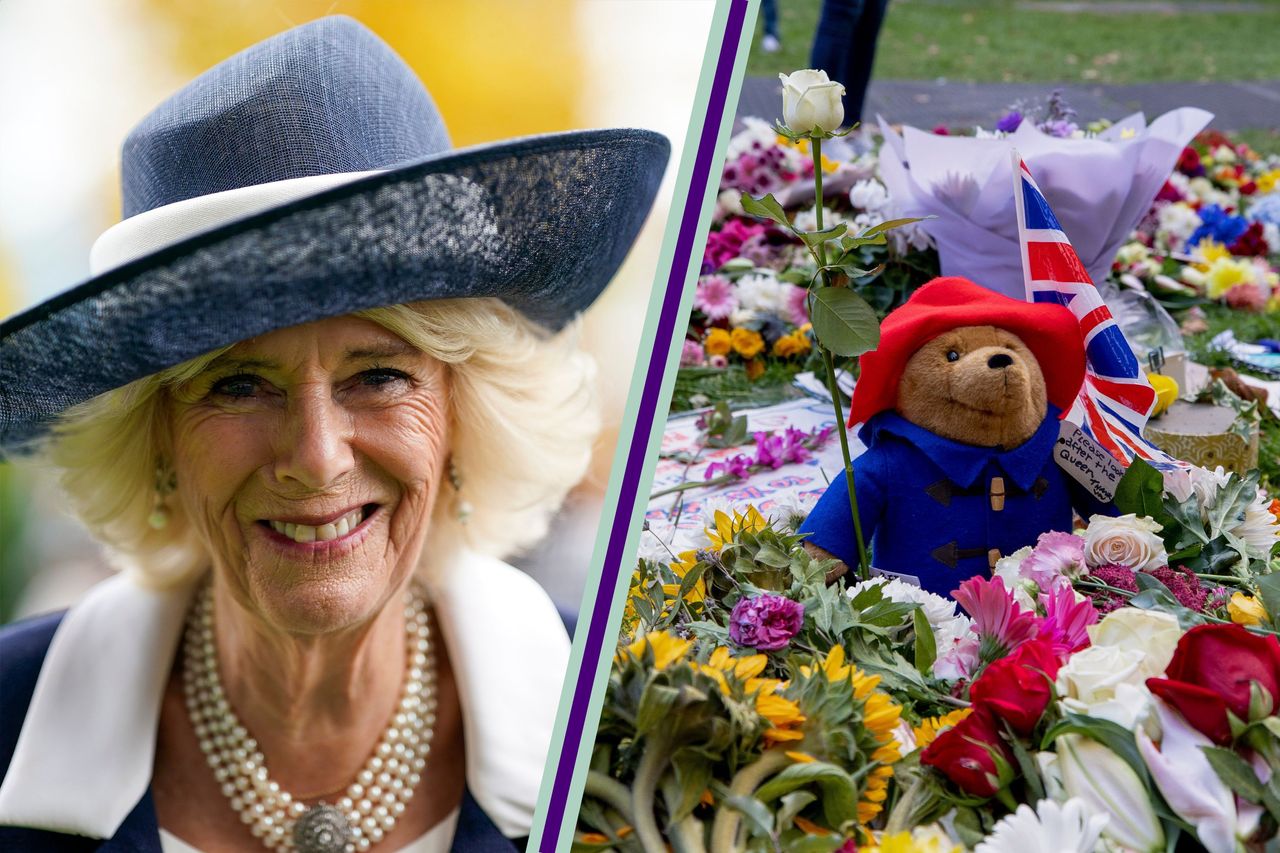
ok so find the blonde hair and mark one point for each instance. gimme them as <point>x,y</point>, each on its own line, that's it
<point>523,420</point>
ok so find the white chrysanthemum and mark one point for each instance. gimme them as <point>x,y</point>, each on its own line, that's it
<point>747,317</point>
<point>869,195</point>
<point>1260,529</point>
<point>792,510</point>
<point>807,220</point>
<point>1177,221</point>
<point>1048,828</point>
<point>947,625</point>
<point>763,294</point>
<point>656,543</point>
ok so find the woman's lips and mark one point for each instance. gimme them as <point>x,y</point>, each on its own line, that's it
<point>342,527</point>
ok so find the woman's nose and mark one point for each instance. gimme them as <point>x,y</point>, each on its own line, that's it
<point>314,445</point>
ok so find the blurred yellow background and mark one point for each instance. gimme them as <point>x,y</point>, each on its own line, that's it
<point>75,76</point>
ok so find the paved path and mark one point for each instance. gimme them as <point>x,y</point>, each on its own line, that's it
<point>925,104</point>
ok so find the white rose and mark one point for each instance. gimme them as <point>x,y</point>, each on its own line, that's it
<point>1127,541</point>
<point>1151,632</point>
<point>1105,682</point>
<point>811,102</point>
<point>868,194</point>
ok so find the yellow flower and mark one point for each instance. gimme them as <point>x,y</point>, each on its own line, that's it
<point>809,827</point>
<point>667,648</point>
<point>1208,252</point>
<point>919,840</point>
<point>746,343</point>
<point>801,757</point>
<point>1268,181</point>
<point>1246,610</point>
<point>1226,274</point>
<point>722,662</point>
<point>796,343</point>
<point>688,559</point>
<point>717,342</point>
<point>751,521</point>
<point>931,727</point>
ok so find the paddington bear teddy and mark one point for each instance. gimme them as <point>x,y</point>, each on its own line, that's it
<point>960,406</point>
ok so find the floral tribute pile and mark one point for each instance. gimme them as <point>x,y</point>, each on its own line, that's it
<point>1212,235</point>
<point>1213,232</point>
<point>1111,688</point>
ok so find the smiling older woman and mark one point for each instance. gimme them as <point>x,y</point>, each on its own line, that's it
<point>314,394</point>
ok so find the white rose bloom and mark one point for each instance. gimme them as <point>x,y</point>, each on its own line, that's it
<point>1124,541</point>
<point>811,101</point>
<point>1048,828</point>
<point>1151,632</point>
<point>869,195</point>
<point>1105,682</point>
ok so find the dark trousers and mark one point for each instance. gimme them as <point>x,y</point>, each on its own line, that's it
<point>845,47</point>
<point>769,11</point>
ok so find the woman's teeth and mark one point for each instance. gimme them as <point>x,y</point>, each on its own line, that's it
<point>324,533</point>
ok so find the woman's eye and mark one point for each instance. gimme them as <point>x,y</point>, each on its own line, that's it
<point>380,376</point>
<point>241,385</point>
<point>952,355</point>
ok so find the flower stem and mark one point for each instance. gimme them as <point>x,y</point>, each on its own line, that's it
<point>901,817</point>
<point>643,787</point>
<point>611,791</point>
<point>691,484</point>
<point>724,832</point>
<point>820,253</point>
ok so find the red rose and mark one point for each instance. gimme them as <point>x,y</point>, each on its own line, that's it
<point>1211,673</point>
<point>1018,688</point>
<point>972,754</point>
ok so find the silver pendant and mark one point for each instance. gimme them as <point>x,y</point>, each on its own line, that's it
<point>323,829</point>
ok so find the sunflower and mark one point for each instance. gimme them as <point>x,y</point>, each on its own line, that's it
<point>726,528</point>
<point>931,727</point>
<point>667,649</point>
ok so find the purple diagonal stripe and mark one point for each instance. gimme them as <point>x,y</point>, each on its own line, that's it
<point>685,253</point>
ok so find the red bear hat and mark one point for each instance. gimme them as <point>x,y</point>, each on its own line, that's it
<point>1050,331</point>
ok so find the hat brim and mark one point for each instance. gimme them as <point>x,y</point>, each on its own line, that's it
<point>1050,331</point>
<point>542,223</point>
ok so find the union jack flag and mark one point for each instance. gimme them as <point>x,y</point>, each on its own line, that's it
<point>1116,398</point>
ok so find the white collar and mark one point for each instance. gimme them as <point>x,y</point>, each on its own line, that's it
<point>97,701</point>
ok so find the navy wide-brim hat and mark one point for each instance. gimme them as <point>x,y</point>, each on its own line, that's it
<point>311,176</point>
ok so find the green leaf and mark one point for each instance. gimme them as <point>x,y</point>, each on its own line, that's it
<point>1141,491</point>
<point>656,704</point>
<point>853,271</point>
<point>1237,775</point>
<point>1269,591</point>
<point>926,651</point>
<point>791,805</point>
<point>757,814</point>
<point>693,775</point>
<point>766,207</point>
<point>843,321</point>
<point>839,793</point>
<point>890,224</point>
<point>1231,502</point>
<point>772,556</point>
<point>814,239</point>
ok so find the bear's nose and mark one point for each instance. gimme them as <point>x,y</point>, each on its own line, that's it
<point>998,361</point>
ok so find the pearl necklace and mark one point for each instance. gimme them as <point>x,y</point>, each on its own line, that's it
<point>371,804</point>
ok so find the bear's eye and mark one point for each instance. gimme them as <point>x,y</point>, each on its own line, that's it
<point>952,355</point>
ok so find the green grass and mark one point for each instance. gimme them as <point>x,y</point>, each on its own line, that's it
<point>1002,41</point>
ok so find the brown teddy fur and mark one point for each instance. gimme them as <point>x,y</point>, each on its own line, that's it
<point>978,385</point>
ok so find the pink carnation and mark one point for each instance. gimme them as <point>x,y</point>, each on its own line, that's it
<point>1056,559</point>
<point>715,297</point>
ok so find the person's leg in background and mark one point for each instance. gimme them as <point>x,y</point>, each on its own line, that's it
<point>845,45</point>
<point>771,43</point>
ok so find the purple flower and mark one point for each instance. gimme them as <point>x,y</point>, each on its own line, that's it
<point>765,622</point>
<point>715,297</point>
<point>1059,128</point>
<point>739,466</point>
<point>1009,122</point>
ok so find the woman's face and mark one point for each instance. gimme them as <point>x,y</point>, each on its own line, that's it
<point>308,460</point>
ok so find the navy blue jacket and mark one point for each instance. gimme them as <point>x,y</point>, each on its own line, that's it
<point>22,650</point>
<point>925,502</point>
